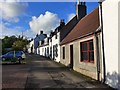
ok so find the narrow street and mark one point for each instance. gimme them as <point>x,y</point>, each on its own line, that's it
<point>40,72</point>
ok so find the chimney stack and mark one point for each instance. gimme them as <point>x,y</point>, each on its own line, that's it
<point>41,32</point>
<point>62,23</point>
<point>81,10</point>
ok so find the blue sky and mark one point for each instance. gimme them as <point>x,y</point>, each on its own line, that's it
<point>31,17</point>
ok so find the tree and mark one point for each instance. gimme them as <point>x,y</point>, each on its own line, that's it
<point>7,42</point>
<point>14,43</point>
<point>18,45</point>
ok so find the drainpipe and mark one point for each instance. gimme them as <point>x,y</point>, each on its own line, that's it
<point>103,51</point>
<point>98,58</point>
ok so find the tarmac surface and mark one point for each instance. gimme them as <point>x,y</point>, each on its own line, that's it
<point>40,72</point>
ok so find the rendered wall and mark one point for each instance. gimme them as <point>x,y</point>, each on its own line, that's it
<point>119,44</point>
<point>110,30</point>
<point>54,42</point>
<point>65,61</point>
<point>86,68</point>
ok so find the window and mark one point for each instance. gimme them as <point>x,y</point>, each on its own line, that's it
<point>56,50</point>
<point>63,52</point>
<point>56,36</point>
<point>42,42</point>
<point>87,51</point>
<point>50,51</point>
<point>47,50</point>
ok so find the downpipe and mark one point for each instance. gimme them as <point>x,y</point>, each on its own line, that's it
<point>103,50</point>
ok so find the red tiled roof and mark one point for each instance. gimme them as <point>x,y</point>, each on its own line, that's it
<point>86,25</point>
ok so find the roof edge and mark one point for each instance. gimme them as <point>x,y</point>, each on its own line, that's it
<point>97,31</point>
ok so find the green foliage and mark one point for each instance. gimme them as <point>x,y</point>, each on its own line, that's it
<point>7,42</point>
<point>18,45</point>
<point>14,43</point>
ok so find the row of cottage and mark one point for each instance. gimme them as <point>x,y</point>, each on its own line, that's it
<point>87,43</point>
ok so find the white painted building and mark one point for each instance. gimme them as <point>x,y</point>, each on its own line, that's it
<point>110,9</point>
<point>54,42</point>
<point>30,47</point>
<point>43,48</point>
<point>33,45</point>
<point>55,46</point>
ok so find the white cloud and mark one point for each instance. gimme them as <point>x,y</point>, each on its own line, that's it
<point>47,22</point>
<point>5,31</point>
<point>29,34</point>
<point>11,10</point>
<point>8,31</point>
<point>70,16</point>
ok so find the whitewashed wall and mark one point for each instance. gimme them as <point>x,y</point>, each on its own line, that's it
<point>54,42</point>
<point>38,50</point>
<point>43,50</point>
<point>50,45</point>
<point>30,45</point>
<point>110,29</point>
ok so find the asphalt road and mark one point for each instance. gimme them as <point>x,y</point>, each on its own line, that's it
<point>40,72</point>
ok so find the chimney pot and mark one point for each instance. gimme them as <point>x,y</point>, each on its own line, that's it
<point>41,32</point>
<point>62,23</point>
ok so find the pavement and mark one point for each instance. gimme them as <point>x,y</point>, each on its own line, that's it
<point>40,72</point>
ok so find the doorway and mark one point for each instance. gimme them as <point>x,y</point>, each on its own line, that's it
<point>71,56</point>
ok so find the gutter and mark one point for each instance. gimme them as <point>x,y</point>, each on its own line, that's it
<point>103,50</point>
<point>97,31</point>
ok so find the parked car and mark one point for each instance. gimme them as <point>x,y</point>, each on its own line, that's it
<point>14,56</point>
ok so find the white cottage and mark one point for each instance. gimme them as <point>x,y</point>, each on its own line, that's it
<point>43,48</point>
<point>33,45</point>
<point>54,42</point>
<point>30,47</point>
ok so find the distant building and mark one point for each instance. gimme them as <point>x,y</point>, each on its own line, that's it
<point>54,42</point>
<point>33,45</point>
<point>30,47</point>
<point>43,48</point>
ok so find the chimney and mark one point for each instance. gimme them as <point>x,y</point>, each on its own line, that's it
<point>41,32</point>
<point>81,10</point>
<point>37,35</point>
<point>62,23</point>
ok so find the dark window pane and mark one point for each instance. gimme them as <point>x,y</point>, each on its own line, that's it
<point>63,52</point>
<point>84,46</point>
<point>91,56</point>
<point>87,51</point>
<point>50,51</point>
<point>84,56</point>
<point>91,45</point>
<point>56,50</point>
